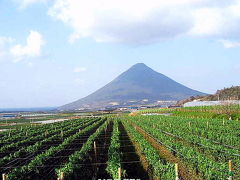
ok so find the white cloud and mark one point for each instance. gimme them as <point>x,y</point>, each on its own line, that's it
<point>219,22</point>
<point>229,44</point>
<point>133,21</point>
<point>5,40</point>
<point>144,21</point>
<point>25,3</point>
<point>32,48</point>
<point>79,69</point>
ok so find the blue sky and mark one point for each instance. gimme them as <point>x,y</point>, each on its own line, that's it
<point>55,51</point>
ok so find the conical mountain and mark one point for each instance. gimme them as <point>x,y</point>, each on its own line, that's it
<point>137,84</point>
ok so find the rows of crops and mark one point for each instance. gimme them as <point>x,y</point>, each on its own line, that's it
<point>138,147</point>
<point>203,145</point>
<point>37,151</point>
<point>76,149</point>
<point>234,108</point>
<point>231,112</point>
<point>155,110</point>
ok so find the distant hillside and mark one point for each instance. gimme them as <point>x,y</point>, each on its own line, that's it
<point>232,93</point>
<point>138,85</point>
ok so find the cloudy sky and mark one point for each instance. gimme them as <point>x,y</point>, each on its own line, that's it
<point>55,51</point>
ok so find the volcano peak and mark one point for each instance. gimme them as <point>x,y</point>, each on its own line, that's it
<point>138,83</point>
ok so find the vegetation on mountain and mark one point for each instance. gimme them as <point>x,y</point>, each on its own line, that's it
<point>232,93</point>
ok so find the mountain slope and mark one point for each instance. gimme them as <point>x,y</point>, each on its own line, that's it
<point>232,93</point>
<point>137,83</point>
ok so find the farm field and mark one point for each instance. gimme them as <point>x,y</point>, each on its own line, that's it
<point>202,146</point>
<point>118,147</point>
<point>18,123</point>
<point>220,111</point>
<point>217,112</point>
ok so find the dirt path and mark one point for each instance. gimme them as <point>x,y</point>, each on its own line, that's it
<point>133,170</point>
<point>104,140</point>
<point>143,159</point>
